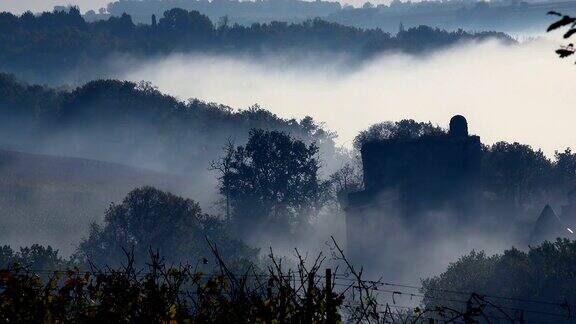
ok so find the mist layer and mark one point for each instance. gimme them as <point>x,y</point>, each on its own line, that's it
<point>509,93</point>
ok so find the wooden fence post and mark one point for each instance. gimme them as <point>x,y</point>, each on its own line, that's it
<point>468,315</point>
<point>330,309</point>
<point>309,299</point>
<point>283,303</point>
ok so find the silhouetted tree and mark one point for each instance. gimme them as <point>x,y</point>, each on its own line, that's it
<point>188,27</point>
<point>565,20</point>
<point>565,169</point>
<point>51,45</point>
<point>273,183</point>
<point>344,181</point>
<point>154,22</point>
<point>152,219</point>
<point>223,166</point>
<point>516,172</point>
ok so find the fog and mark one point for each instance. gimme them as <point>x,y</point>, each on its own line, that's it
<point>408,251</point>
<point>507,92</point>
<point>518,93</point>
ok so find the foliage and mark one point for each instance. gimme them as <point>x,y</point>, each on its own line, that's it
<point>344,181</point>
<point>150,219</point>
<point>404,129</point>
<point>240,12</point>
<point>32,258</point>
<point>162,293</point>
<point>448,14</point>
<point>565,20</point>
<point>134,124</point>
<point>543,273</point>
<point>272,182</point>
<point>565,168</point>
<point>517,173</point>
<point>503,15</point>
<point>60,42</point>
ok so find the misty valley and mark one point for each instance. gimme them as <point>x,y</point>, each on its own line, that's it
<point>191,161</point>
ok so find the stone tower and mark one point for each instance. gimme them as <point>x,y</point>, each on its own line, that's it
<point>405,178</point>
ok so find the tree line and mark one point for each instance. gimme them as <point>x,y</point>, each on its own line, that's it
<point>239,12</point>
<point>135,124</point>
<point>503,15</point>
<point>540,280</point>
<point>60,41</point>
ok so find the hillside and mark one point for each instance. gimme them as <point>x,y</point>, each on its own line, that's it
<point>507,16</point>
<point>517,18</point>
<point>57,47</point>
<point>134,125</point>
<point>52,200</point>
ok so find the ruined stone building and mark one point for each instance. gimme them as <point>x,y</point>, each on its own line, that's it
<point>411,183</point>
<point>406,178</point>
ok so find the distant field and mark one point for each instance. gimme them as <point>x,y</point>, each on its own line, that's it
<point>52,200</point>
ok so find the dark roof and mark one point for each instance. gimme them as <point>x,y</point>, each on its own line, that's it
<point>548,226</point>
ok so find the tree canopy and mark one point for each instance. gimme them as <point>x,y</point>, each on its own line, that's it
<point>55,44</point>
<point>35,258</point>
<point>543,273</point>
<point>404,129</point>
<point>518,173</point>
<point>272,183</point>
<point>504,15</point>
<point>150,220</point>
<point>134,124</point>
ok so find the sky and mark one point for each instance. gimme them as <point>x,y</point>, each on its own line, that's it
<point>522,93</point>
<point>518,93</point>
<point>19,6</point>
